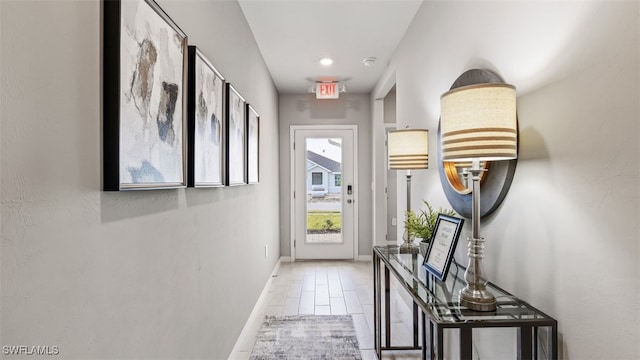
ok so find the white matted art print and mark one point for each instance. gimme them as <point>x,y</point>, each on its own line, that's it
<point>253,145</point>
<point>236,138</point>
<point>206,137</point>
<point>151,84</point>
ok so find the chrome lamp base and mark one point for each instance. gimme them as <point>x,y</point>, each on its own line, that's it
<point>475,295</point>
<point>408,246</point>
<point>477,300</point>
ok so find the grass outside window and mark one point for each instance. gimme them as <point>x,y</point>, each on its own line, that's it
<point>319,221</point>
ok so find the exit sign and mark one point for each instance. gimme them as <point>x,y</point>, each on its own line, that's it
<point>327,90</point>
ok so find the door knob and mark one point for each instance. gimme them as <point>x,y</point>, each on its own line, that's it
<point>349,201</point>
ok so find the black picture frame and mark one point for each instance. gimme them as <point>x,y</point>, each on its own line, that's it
<point>206,112</point>
<point>236,138</point>
<point>144,98</point>
<point>253,145</point>
<point>442,246</point>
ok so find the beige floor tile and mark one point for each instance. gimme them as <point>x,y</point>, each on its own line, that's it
<point>331,287</point>
<point>307,303</point>
<point>338,307</point>
<point>323,310</point>
<point>291,306</point>
<point>322,295</point>
<point>335,288</point>
<point>352,302</point>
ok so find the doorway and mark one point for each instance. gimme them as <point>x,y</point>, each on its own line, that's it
<point>324,199</point>
<point>391,191</point>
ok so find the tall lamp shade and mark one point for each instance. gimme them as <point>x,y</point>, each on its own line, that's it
<point>479,122</point>
<point>408,149</point>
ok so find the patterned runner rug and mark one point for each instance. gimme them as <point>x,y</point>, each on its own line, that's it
<point>307,337</point>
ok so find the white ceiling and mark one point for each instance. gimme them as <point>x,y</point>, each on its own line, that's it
<point>293,35</point>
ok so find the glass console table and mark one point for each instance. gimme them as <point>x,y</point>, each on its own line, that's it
<point>439,305</point>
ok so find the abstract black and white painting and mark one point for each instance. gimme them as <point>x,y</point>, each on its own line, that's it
<point>144,97</point>
<point>206,144</point>
<point>236,138</point>
<point>253,145</point>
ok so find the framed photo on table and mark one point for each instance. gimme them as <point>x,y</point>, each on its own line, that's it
<point>144,96</point>
<point>442,245</point>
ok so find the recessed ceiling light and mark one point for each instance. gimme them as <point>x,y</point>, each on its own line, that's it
<point>326,61</point>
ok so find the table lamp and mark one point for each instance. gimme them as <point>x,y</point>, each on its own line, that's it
<point>408,150</point>
<point>478,124</point>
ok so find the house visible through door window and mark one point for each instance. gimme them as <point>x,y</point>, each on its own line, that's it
<point>316,178</point>
<point>337,180</point>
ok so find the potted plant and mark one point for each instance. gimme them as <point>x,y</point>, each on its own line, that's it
<point>422,224</point>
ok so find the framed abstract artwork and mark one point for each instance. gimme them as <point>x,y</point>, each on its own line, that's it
<point>253,145</point>
<point>236,173</point>
<point>442,245</point>
<point>206,123</point>
<point>144,121</point>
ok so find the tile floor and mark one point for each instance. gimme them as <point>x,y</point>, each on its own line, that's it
<point>329,287</point>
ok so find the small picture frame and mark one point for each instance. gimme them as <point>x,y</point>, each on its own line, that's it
<point>442,245</point>
<point>253,145</point>
<point>236,141</point>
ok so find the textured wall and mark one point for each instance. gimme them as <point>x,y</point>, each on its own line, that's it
<point>151,274</point>
<point>567,236</point>
<point>350,109</point>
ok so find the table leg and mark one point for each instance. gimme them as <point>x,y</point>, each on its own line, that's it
<point>535,342</point>
<point>466,341</point>
<point>377,319</point>
<point>553,342</point>
<point>387,307</point>
<point>432,353</point>
<point>440,340</point>
<point>415,325</point>
<point>525,351</point>
<point>424,336</point>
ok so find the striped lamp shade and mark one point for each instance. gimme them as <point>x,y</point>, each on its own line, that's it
<point>408,149</point>
<point>479,122</point>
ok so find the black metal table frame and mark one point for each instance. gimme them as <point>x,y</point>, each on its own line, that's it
<point>435,330</point>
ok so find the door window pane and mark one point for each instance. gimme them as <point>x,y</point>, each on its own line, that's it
<point>324,200</point>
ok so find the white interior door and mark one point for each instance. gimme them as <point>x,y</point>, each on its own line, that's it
<point>324,202</point>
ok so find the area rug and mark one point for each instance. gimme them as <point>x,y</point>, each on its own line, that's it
<point>307,337</point>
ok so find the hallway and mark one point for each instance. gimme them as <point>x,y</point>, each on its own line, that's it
<point>323,288</point>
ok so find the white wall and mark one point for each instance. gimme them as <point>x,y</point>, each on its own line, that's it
<point>567,235</point>
<point>129,275</point>
<point>350,109</point>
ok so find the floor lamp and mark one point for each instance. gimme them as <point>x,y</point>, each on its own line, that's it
<point>478,124</point>
<point>408,150</point>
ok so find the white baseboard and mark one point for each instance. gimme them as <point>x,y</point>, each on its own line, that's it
<point>284,259</point>
<point>247,325</point>
<point>365,258</point>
